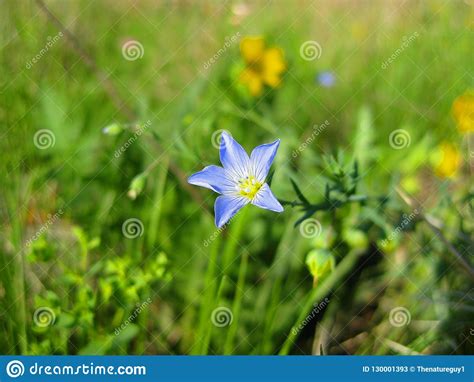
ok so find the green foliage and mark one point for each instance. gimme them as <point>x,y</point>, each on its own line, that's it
<point>367,228</point>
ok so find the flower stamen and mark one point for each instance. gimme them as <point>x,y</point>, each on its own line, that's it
<point>249,187</point>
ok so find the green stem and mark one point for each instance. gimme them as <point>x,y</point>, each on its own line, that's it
<point>251,116</point>
<point>332,204</point>
<point>229,342</point>
<point>341,271</point>
<point>208,335</point>
<point>157,206</point>
<point>326,324</point>
<point>209,294</point>
<point>18,265</point>
<point>279,269</point>
<point>236,227</point>
<point>275,300</point>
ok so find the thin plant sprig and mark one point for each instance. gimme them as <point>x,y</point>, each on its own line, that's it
<point>341,189</point>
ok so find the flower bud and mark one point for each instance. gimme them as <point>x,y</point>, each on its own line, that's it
<point>136,186</point>
<point>112,129</point>
<point>355,238</point>
<point>320,262</point>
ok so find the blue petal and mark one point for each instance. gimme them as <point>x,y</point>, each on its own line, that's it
<point>233,157</point>
<point>261,159</point>
<point>226,207</point>
<point>266,199</point>
<point>214,178</point>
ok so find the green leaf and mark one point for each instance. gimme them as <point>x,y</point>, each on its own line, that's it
<point>126,335</point>
<point>364,137</point>
<point>98,346</point>
<point>307,214</point>
<point>299,193</point>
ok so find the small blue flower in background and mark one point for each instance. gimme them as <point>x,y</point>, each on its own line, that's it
<point>241,180</point>
<point>326,79</point>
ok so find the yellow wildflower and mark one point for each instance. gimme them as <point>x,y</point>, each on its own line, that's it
<point>359,31</point>
<point>450,162</point>
<point>463,111</point>
<point>263,66</point>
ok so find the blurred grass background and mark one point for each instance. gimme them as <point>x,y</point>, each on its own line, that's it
<point>92,278</point>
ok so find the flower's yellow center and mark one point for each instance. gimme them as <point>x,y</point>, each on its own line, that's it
<point>256,66</point>
<point>249,186</point>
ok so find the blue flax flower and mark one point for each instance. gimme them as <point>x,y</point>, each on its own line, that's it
<point>241,180</point>
<point>326,79</point>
